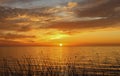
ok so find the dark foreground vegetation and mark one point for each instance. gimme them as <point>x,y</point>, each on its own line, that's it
<point>29,66</point>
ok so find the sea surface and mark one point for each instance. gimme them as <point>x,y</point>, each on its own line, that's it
<point>61,53</point>
<point>60,61</point>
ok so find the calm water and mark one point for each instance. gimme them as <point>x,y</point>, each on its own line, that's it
<point>62,53</point>
<point>60,61</point>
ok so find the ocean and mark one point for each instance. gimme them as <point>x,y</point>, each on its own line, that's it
<point>61,52</point>
<point>104,60</point>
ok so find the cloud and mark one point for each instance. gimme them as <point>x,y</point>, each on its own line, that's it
<point>117,9</point>
<point>81,25</point>
<point>72,4</point>
<point>104,9</point>
<point>9,42</point>
<point>45,20</point>
<point>32,3</point>
<point>92,14</point>
<point>12,36</point>
<point>78,14</point>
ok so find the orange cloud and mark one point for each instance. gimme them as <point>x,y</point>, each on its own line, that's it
<point>72,4</point>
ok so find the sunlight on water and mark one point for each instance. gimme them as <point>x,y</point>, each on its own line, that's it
<point>60,61</point>
<point>62,53</point>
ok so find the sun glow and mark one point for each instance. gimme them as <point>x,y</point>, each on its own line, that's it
<point>60,44</point>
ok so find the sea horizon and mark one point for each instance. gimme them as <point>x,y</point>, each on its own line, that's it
<point>59,37</point>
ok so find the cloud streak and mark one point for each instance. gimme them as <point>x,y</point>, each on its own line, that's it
<point>14,36</point>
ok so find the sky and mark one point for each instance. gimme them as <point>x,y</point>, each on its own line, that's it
<point>54,22</point>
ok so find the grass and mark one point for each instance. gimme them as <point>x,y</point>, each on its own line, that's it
<point>44,66</point>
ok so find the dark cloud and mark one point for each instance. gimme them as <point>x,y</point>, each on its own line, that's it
<point>98,24</point>
<point>44,18</point>
<point>32,3</point>
<point>14,36</point>
<point>10,21</point>
<point>14,27</point>
<point>4,42</point>
<point>102,9</point>
<point>105,9</point>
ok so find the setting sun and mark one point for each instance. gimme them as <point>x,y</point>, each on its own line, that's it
<point>60,44</point>
<point>59,37</point>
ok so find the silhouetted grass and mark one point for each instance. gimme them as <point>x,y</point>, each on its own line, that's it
<point>30,66</point>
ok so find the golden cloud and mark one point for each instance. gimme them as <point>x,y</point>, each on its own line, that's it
<point>72,4</point>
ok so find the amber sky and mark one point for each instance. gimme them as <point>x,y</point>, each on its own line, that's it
<point>50,22</point>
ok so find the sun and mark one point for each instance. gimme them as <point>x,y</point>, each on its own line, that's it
<point>60,44</point>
